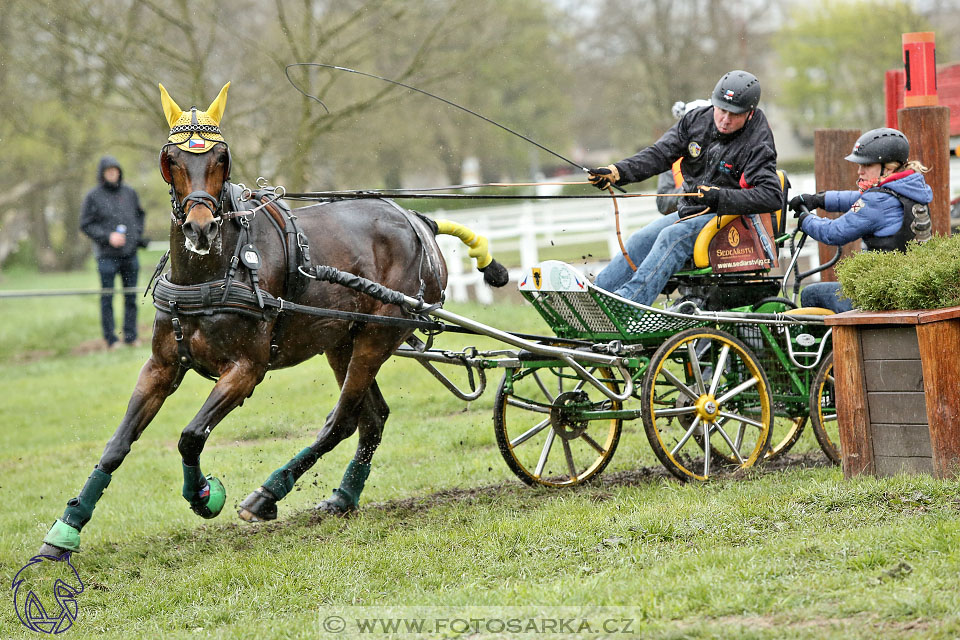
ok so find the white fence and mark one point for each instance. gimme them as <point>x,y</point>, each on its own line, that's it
<point>533,226</point>
<point>529,227</point>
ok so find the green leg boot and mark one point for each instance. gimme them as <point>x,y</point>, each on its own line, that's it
<point>206,495</point>
<point>64,535</point>
<point>261,505</point>
<point>281,481</point>
<point>346,498</point>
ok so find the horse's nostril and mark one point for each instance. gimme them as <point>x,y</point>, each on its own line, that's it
<point>210,230</point>
<point>190,230</point>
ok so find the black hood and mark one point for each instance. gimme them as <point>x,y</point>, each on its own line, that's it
<point>105,163</point>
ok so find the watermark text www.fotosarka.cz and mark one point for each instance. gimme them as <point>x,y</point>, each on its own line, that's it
<point>481,621</point>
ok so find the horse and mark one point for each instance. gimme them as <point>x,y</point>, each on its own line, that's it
<point>223,310</point>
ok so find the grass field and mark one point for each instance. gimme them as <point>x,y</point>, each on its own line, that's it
<point>445,531</point>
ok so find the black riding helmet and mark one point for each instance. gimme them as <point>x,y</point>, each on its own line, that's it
<point>880,146</point>
<point>737,92</point>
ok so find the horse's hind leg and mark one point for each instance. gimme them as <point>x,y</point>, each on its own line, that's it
<point>207,495</point>
<point>356,367</point>
<point>156,382</point>
<point>372,418</point>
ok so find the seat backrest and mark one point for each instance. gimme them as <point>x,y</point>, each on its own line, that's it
<point>731,245</point>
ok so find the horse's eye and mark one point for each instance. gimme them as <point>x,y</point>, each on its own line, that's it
<point>171,161</point>
<point>222,159</point>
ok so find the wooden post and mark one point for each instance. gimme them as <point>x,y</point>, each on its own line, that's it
<point>856,437</point>
<point>938,353</point>
<point>928,130</point>
<point>833,173</point>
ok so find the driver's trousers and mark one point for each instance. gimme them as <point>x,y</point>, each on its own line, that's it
<point>659,250</point>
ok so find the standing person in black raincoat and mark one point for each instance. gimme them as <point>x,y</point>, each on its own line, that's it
<point>113,218</point>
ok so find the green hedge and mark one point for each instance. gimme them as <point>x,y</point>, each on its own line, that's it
<point>927,276</point>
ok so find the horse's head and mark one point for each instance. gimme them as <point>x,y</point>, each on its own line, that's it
<point>195,162</point>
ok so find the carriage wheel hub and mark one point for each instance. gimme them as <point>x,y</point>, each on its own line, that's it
<point>707,407</point>
<point>564,414</point>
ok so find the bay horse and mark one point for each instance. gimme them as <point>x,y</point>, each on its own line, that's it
<point>220,311</point>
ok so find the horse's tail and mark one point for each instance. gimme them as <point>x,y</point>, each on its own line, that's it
<point>494,273</point>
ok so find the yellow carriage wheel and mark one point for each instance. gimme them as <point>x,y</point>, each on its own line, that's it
<point>541,429</point>
<point>823,411</point>
<point>706,404</point>
<point>785,433</point>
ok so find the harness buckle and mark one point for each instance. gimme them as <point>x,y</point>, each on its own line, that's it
<point>177,329</point>
<point>175,321</point>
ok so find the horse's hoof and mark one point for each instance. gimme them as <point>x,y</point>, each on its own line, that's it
<point>62,538</point>
<point>52,551</point>
<point>339,504</point>
<point>259,506</point>
<point>211,500</point>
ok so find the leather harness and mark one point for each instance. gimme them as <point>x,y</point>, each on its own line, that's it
<point>228,295</point>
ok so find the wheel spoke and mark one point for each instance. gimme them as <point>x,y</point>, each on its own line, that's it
<point>684,389</point>
<point>527,406</point>
<point>582,382</point>
<point>695,365</point>
<point>742,419</point>
<point>829,418</point>
<point>721,363</point>
<point>686,436</point>
<point>568,454</point>
<point>741,431</point>
<point>734,448</point>
<point>544,454</point>
<point>593,443</point>
<point>543,387</point>
<point>743,386</point>
<point>706,449</point>
<point>529,434</point>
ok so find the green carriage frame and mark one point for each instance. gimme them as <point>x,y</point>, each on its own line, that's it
<point>573,391</point>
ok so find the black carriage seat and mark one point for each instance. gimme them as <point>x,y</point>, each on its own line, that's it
<point>733,244</point>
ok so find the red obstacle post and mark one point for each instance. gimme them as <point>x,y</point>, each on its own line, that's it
<point>920,69</point>
<point>926,124</point>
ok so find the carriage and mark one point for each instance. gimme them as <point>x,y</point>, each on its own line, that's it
<point>726,377</point>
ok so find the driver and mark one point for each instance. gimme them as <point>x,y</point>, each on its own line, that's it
<point>876,212</point>
<point>729,157</point>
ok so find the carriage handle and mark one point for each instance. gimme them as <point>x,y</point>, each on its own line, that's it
<point>806,274</point>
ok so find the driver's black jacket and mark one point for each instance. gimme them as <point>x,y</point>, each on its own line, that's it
<point>743,164</point>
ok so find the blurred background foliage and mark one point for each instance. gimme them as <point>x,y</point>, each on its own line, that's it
<point>594,81</point>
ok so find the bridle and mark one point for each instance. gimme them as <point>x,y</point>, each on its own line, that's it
<point>180,209</point>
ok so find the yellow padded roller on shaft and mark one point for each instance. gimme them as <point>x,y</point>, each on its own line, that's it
<point>479,246</point>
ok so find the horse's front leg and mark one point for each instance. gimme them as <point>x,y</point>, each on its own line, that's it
<point>158,379</point>
<point>206,494</point>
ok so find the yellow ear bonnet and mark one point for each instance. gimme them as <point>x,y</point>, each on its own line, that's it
<point>194,130</point>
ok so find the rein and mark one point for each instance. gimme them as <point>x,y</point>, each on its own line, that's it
<point>429,194</point>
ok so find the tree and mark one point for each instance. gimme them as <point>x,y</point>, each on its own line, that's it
<point>638,57</point>
<point>834,56</point>
<point>82,81</point>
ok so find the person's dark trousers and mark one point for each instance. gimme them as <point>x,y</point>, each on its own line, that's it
<point>128,267</point>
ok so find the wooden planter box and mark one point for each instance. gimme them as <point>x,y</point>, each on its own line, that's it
<point>897,380</point>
